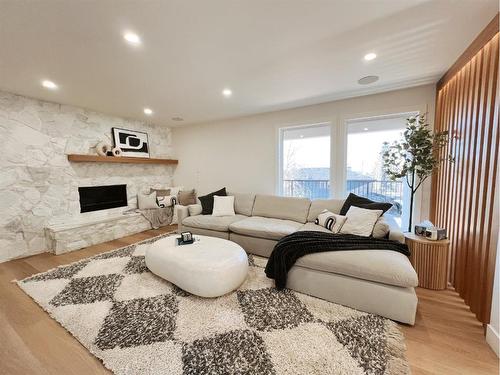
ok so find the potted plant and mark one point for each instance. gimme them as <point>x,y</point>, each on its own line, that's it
<point>415,157</point>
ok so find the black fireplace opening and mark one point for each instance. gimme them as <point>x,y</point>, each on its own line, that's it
<point>95,198</point>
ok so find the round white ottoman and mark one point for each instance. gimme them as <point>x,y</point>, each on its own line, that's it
<point>210,267</point>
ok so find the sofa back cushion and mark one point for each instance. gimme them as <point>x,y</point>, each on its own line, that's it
<point>243,203</point>
<point>286,208</point>
<point>318,205</point>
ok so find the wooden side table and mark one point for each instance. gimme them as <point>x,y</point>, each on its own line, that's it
<point>430,260</point>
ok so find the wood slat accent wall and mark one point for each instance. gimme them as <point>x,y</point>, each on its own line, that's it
<point>462,198</point>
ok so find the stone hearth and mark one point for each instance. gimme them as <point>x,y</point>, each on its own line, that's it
<point>72,235</point>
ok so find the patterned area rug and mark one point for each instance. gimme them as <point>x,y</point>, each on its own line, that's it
<point>137,323</point>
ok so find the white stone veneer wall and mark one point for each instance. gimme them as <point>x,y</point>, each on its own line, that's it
<point>39,185</point>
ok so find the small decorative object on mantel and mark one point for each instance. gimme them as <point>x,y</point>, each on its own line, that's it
<point>132,143</point>
<point>116,151</point>
<point>185,238</point>
<point>102,148</point>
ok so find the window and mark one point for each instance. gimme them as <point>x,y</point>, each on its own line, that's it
<point>364,174</point>
<point>305,161</point>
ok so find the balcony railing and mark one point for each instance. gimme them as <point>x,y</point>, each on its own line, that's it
<point>313,189</point>
<point>376,190</point>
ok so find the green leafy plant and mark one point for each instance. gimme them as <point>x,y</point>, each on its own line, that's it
<point>415,157</point>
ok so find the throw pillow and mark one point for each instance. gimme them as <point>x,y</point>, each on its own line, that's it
<point>381,228</point>
<point>207,201</point>
<point>160,192</point>
<point>185,198</point>
<point>360,221</point>
<point>330,221</point>
<point>195,209</point>
<point>166,201</point>
<point>384,206</point>
<point>146,201</point>
<point>356,200</point>
<point>223,206</point>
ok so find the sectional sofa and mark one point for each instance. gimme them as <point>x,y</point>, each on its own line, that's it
<point>376,281</point>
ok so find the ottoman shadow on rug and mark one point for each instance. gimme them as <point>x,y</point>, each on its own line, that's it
<point>138,323</point>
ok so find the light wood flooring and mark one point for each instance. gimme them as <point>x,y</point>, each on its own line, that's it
<point>446,338</point>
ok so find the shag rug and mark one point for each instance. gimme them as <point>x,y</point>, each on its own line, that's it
<point>138,323</point>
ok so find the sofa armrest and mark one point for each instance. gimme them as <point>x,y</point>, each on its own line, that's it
<point>182,213</point>
<point>395,232</point>
<point>185,211</point>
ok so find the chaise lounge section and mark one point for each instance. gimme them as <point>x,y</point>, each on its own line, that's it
<point>376,281</point>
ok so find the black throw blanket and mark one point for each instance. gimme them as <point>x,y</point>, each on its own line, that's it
<point>296,245</point>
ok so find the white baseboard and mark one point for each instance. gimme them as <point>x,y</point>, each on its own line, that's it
<point>492,338</point>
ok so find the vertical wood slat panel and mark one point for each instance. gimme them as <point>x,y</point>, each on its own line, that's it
<point>463,193</point>
<point>476,141</point>
<point>461,174</point>
<point>471,125</point>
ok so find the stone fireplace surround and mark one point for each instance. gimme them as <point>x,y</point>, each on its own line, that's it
<point>39,186</point>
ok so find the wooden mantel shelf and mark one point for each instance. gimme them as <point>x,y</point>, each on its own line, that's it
<point>122,159</point>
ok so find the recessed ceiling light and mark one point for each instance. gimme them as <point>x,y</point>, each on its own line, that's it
<point>370,56</point>
<point>177,119</point>
<point>227,93</point>
<point>132,38</point>
<point>365,129</point>
<point>49,84</point>
<point>148,111</point>
<point>367,80</point>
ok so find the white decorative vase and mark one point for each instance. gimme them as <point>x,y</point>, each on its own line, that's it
<point>102,148</point>
<point>116,151</point>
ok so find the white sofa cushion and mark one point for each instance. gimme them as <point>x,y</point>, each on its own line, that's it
<point>264,227</point>
<point>381,228</point>
<point>243,203</point>
<point>195,209</point>
<point>383,266</point>
<point>314,227</point>
<point>286,208</point>
<point>318,205</point>
<point>217,223</point>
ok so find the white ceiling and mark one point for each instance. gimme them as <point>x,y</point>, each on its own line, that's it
<point>273,54</point>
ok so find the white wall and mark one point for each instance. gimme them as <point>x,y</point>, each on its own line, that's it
<point>241,154</point>
<point>39,185</point>
<point>493,329</point>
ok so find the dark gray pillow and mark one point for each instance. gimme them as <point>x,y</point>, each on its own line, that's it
<point>207,201</point>
<point>362,202</point>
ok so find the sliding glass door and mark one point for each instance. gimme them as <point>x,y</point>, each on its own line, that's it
<point>305,161</point>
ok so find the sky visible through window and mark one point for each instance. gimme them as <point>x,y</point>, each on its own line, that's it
<point>364,151</point>
<point>303,153</point>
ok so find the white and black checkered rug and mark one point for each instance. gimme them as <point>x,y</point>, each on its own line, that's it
<point>137,323</point>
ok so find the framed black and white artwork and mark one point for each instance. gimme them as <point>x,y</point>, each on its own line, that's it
<point>133,143</point>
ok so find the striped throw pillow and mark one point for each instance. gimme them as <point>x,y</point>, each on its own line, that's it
<point>330,221</point>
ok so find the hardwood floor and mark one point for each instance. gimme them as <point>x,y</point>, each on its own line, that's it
<point>446,338</point>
